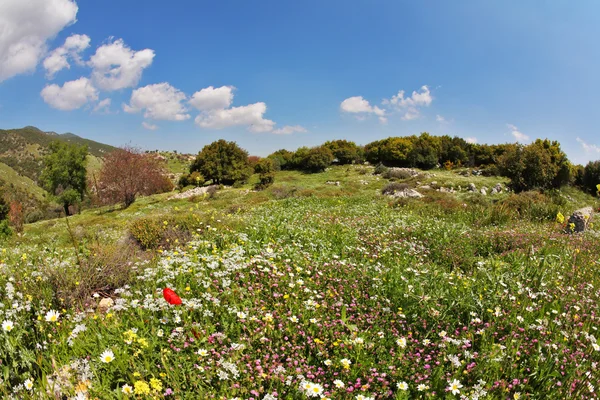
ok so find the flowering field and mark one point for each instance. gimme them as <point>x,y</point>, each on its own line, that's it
<point>331,298</point>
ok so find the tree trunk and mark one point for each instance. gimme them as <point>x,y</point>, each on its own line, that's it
<point>66,206</point>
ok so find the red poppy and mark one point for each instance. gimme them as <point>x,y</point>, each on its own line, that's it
<point>171,297</point>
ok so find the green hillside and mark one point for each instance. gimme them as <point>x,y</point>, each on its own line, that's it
<point>23,149</point>
<point>9,178</point>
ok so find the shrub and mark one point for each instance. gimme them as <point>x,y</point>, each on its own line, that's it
<point>5,230</point>
<point>531,205</point>
<point>344,151</point>
<point>147,232</point>
<point>223,162</point>
<point>395,173</point>
<point>591,177</point>
<point>283,192</point>
<point>317,159</point>
<point>380,169</point>
<point>540,165</point>
<point>266,170</point>
<point>394,187</point>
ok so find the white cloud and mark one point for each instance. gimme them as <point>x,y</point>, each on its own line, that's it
<point>216,112</point>
<point>58,59</point>
<point>115,66</point>
<point>289,129</point>
<point>588,148</point>
<point>160,101</point>
<point>519,136</point>
<point>72,95</point>
<point>103,106</point>
<point>250,115</point>
<point>25,27</point>
<point>211,98</point>
<point>149,126</point>
<point>358,105</point>
<point>410,106</point>
<point>471,140</point>
<point>441,119</point>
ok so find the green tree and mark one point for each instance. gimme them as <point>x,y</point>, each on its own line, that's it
<point>540,165</point>
<point>282,159</point>
<point>317,159</point>
<point>64,174</point>
<point>591,177</point>
<point>222,162</point>
<point>265,168</point>
<point>344,151</point>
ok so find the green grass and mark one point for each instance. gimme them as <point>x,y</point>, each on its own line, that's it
<point>10,177</point>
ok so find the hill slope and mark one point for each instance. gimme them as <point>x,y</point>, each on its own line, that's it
<point>23,149</point>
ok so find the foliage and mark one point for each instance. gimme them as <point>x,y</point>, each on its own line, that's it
<point>394,187</point>
<point>5,230</point>
<point>540,165</point>
<point>282,159</point>
<point>591,177</point>
<point>127,173</point>
<point>344,151</point>
<point>64,173</point>
<point>265,168</point>
<point>15,216</point>
<point>317,159</point>
<point>4,208</point>
<point>223,162</point>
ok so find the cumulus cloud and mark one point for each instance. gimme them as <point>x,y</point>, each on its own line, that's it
<point>149,126</point>
<point>519,136</point>
<point>289,129</point>
<point>216,112</point>
<point>410,106</point>
<point>160,101</point>
<point>211,98</point>
<point>58,58</point>
<point>25,27</point>
<point>588,148</point>
<point>251,116</point>
<point>115,66</point>
<point>471,140</point>
<point>72,95</point>
<point>103,106</point>
<point>358,105</point>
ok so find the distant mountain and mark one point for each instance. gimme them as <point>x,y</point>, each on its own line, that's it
<point>23,149</point>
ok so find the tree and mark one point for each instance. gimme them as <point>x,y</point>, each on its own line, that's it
<point>282,159</point>
<point>223,162</point>
<point>317,159</point>
<point>4,208</point>
<point>64,173</point>
<point>344,151</point>
<point>591,177</point>
<point>540,165</point>
<point>127,173</point>
<point>265,169</point>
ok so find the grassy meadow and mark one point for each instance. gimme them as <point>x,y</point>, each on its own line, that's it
<point>307,290</point>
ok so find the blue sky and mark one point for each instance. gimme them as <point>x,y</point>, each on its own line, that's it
<point>282,74</point>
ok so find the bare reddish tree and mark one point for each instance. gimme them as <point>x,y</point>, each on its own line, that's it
<point>127,173</point>
<point>15,216</point>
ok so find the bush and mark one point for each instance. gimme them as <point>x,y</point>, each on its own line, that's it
<point>591,177</point>
<point>317,159</point>
<point>380,169</point>
<point>5,231</point>
<point>223,162</point>
<point>531,205</point>
<point>394,187</point>
<point>540,165</point>
<point>266,170</point>
<point>147,232</point>
<point>394,173</point>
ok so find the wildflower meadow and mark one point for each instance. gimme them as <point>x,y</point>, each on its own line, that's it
<point>330,297</point>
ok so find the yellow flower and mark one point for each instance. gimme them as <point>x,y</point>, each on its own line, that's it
<point>560,218</point>
<point>141,387</point>
<point>156,384</point>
